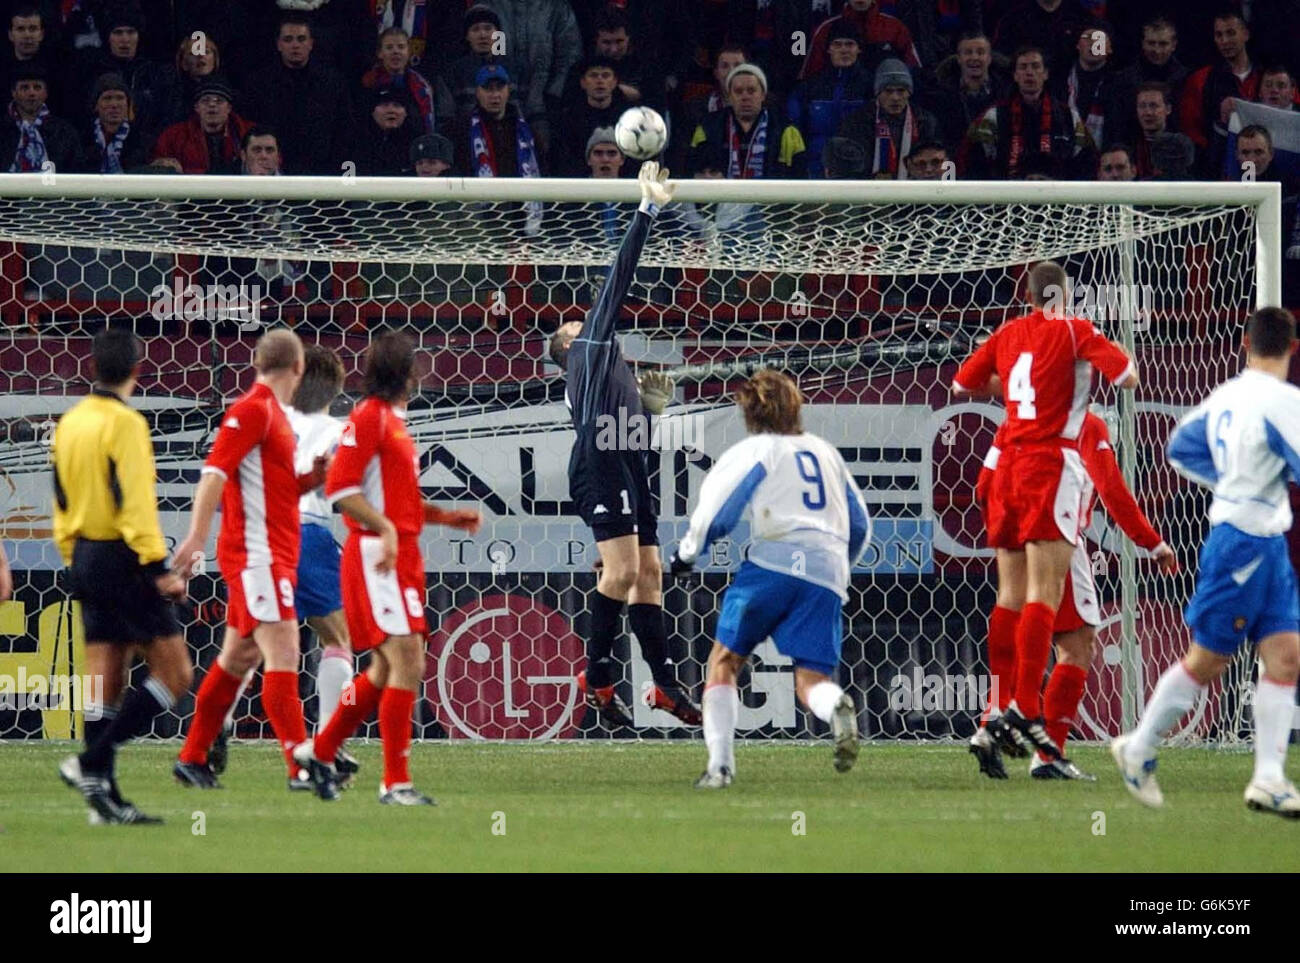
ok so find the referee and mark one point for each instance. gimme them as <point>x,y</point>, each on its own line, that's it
<point>106,528</point>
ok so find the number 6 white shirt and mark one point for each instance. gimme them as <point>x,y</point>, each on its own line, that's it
<point>1243,442</point>
<point>807,515</point>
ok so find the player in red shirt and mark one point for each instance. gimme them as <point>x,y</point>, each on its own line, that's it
<point>1077,618</point>
<point>1043,363</point>
<point>374,481</point>
<point>250,471</point>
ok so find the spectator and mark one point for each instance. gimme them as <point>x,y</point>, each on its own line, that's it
<point>259,152</point>
<point>433,27</point>
<point>614,43</point>
<point>497,140</point>
<point>209,141</point>
<point>1153,107</point>
<point>391,127</point>
<point>969,85</point>
<point>1050,25</point>
<point>750,139</point>
<point>393,69</point>
<point>432,156</point>
<point>663,33</point>
<point>1031,122</point>
<point>937,26</point>
<point>694,110</point>
<point>1255,161</point>
<point>29,46</point>
<point>928,161</point>
<point>843,160</point>
<point>1157,60</point>
<point>888,128</point>
<point>1277,88</point>
<point>879,30</point>
<point>604,159</point>
<point>767,26</point>
<point>542,46</point>
<point>1116,164</point>
<point>1172,156</point>
<point>31,135</point>
<point>486,45</point>
<point>599,104</point>
<point>820,104</point>
<point>1207,96</point>
<point>113,143</point>
<point>306,102</point>
<point>154,87</point>
<point>194,60</point>
<point>1091,87</point>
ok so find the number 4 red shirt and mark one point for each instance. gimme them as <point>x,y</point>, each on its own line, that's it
<point>376,458</point>
<point>1045,365</point>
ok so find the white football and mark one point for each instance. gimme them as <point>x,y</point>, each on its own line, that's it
<point>641,133</point>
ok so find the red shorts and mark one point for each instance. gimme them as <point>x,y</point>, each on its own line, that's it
<point>1036,495</point>
<point>261,594</point>
<point>378,605</point>
<point>1079,603</point>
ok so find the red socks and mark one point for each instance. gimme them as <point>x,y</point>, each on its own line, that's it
<point>284,708</point>
<point>214,699</point>
<point>1002,657</point>
<point>355,705</point>
<point>1061,700</point>
<point>395,707</point>
<point>1034,648</point>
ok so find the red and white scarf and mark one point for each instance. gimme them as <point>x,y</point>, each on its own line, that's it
<point>887,152</point>
<point>1017,148</point>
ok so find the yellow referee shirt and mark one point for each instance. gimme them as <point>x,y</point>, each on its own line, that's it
<point>104,480</point>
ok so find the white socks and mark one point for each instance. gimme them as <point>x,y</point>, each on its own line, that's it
<point>822,698</point>
<point>721,708</point>
<point>1175,694</point>
<point>332,674</point>
<point>1274,716</point>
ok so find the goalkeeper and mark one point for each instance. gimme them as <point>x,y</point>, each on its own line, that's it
<point>609,478</point>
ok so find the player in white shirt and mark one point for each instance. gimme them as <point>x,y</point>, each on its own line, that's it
<point>1243,442</point>
<point>317,598</point>
<point>809,525</point>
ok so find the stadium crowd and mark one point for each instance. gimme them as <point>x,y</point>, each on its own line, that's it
<point>1028,89</point>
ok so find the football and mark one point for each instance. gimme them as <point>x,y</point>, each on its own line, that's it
<point>641,133</point>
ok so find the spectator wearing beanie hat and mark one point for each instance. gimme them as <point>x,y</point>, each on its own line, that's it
<point>604,159</point>
<point>155,88</point>
<point>752,139</point>
<point>209,141</point>
<point>393,68</point>
<point>113,142</point>
<point>390,128</point>
<point>820,104</point>
<point>30,135</point>
<point>432,155</point>
<point>486,45</point>
<point>890,126</point>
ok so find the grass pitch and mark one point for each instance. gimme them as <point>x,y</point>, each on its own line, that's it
<point>612,806</point>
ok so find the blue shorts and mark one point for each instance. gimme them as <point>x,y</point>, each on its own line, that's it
<point>318,573</point>
<point>1245,589</point>
<point>804,620</point>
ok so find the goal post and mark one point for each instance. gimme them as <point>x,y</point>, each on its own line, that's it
<point>868,291</point>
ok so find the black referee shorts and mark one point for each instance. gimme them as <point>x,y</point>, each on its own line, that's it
<point>611,491</point>
<point>119,601</point>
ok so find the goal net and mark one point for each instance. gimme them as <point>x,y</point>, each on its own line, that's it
<point>869,293</point>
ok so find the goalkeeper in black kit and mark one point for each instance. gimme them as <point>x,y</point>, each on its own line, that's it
<point>609,477</point>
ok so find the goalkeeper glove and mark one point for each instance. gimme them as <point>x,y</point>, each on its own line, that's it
<point>656,192</point>
<point>656,391</point>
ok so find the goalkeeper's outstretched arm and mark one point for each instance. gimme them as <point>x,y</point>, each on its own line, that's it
<point>655,193</point>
